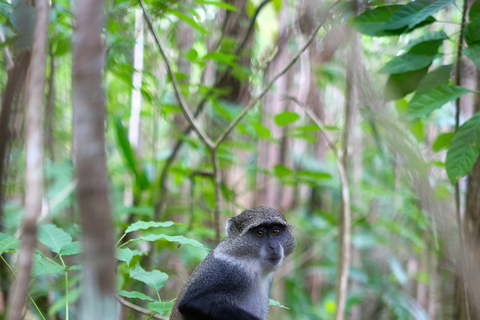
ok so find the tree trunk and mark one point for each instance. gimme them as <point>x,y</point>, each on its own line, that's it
<point>98,296</point>
<point>33,161</point>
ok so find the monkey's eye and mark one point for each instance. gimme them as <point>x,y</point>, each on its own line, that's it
<point>260,233</point>
<point>276,232</point>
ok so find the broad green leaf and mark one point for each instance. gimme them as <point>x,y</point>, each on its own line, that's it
<point>285,118</point>
<point>154,279</point>
<point>275,303</point>
<point>221,4</point>
<point>23,20</point>
<point>438,77</point>
<point>134,295</point>
<point>8,243</point>
<point>53,237</point>
<point>464,149</point>
<point>161,307</point>
<point>178,239</point>
<point>375,22</point>
<point>46,268</point>
<point>472,33</point>
<point>188,20</point>
<point>415,12</point>
<point>473,53</point>
<point>129,155</point>
<point>313,175</point>
<point>281,171</point>
<point>143,225</point>
<point>372,22</point>
<point>192,55</point>
<point>221,57</point>
<point>71,248</point>
<point>441,192</point>
<point>442,141</point>
<point>406,62</point>
<point>124,254</point>
<point>262,131</point>
<point>431,36</point>
<point>423,104</point>
<point>399,85</point>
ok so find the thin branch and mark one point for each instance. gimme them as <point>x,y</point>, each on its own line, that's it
<point>344,242</point>
<point>217,179</point>
<point>178,94</point>
<point>250,105</point>
<point>458,79</point>
<point>199,108</point>
<point>139,309</point>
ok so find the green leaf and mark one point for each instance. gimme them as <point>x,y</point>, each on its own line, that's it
<point>441,192</point>
<point>463,151</point>
<point>124,254</point>
<point>129,155</point>
<point>281,171</point>
<point>154,279</point>
<point>285,118</point>
<point>221,57</point>
<point>472,33</point>
<point>221,4</point>
<point>435,78</point>
<point>406,62</point>
<point>143,225</point>
<point>178,239</point>
<point>442,141</point>
<point>71,248</point>
<point>262,131</point>
<point>276,304</point>
<point>415,12</point>
<point>399,85</point>
<point>473,53</point>
<point>53,237</point>
<point>134,295</point>
<point>161,307</point>
<point>8,243</point>
<point>188,20</point>
<point>397,270</point>
<point>423,104</point>
<point>46,268</point>
<point>431,36</point>
<point>192,55</point>
<point>375,22</point>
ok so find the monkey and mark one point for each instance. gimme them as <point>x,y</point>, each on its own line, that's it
<point>234,280</point>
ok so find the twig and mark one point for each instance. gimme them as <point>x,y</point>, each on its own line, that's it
<point>252,102</point>
<point>217,179</point>
<point>138,308</point>
<point>345,214</point>
<point>199,108</point>
<point>178,94</point>
<point>458,78</point>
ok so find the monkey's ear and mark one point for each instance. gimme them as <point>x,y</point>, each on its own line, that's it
<point>230,226</point>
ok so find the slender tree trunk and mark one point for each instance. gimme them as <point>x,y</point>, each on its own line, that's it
<point>98,296</point>
<point>50,110</point>
<point>33,161</point>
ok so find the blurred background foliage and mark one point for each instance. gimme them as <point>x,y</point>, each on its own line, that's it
<point>275,156</point>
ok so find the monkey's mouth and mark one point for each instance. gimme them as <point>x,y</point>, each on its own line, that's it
<point>274,259</point>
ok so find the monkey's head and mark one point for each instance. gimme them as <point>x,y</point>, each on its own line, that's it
<point>264,231</point>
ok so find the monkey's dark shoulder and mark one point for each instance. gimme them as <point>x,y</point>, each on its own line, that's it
<point>215,288</point>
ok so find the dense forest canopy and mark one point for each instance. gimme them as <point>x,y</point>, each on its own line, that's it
<point>131,130</point>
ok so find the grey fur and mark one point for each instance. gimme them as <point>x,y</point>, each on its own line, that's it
<point>239,262</point>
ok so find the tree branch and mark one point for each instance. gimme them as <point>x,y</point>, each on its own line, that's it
<point>252,102</point>
<point>139,309</point>
<point>178,94</point>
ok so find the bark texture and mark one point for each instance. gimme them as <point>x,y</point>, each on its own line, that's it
<point>33,161</point>
<point>98,296</point>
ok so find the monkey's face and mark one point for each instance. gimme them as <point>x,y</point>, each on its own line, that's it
<point>269,239</point>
